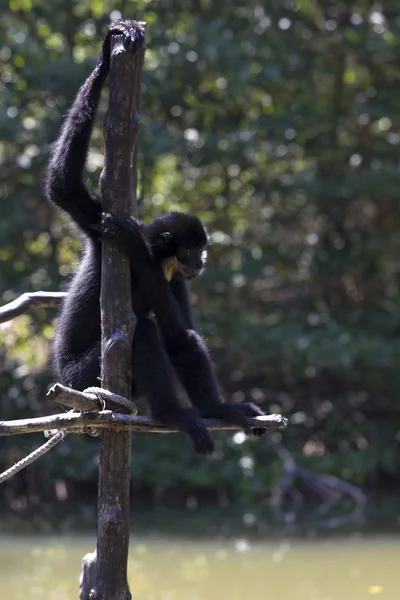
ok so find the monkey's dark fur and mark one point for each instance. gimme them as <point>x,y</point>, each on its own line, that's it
<point>155,357</point>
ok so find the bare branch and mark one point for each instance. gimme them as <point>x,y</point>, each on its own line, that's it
<point>108,419</point>
<point>93,399</point>
<point>82,401</point>
<point>332,491</point>
<point>30,300</point>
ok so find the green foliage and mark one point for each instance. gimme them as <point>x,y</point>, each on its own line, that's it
<point>278,125</point>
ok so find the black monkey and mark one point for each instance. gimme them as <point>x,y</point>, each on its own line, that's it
<point>163,254</point>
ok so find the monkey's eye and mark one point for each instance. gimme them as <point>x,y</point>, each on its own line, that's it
<point>184,255</point>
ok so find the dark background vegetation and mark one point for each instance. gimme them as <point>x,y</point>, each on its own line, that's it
<point>278,124</point>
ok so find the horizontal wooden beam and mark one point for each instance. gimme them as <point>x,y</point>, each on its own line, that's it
<point>117,421</point>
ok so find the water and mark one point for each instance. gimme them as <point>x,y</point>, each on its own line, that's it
<point>353,568</point>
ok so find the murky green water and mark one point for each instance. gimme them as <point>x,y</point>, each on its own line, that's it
<point>172,569</point>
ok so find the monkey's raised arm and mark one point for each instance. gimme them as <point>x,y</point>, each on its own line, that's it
<point>64,182</point>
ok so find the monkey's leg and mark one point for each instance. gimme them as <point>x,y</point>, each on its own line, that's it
<point>186,349</point>
<point>154,376</point>
<point>80,371</point>
<point>189,356</point>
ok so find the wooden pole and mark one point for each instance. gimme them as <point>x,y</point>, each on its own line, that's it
<point>121,128</point>
<point>138,97</point>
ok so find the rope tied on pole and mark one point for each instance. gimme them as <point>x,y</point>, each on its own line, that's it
<point>104,395</point>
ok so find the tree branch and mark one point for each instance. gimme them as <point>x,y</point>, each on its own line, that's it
<point>331,490</point>
<point>90,400</point>
<point>108,419</point>
<point>30,300</point>
<point>82,401</point>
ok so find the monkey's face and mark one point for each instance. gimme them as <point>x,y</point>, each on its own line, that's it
<point>187,263</point>
<point>191,261</point>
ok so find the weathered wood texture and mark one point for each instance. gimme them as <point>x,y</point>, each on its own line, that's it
<point>82,401</point>
<point>120,422</point>
<point>121,128</point>
<point>138,96</point>
<point>93,399</point>
<point>88,578</point>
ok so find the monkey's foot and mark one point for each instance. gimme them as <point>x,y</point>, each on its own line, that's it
<point>237,414</point>
<point>188,421</point>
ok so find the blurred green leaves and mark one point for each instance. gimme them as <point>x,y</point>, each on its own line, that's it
<point>279,126</point>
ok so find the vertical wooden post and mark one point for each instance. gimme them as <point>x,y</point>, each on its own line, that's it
<point>138,96</point>
<point>121,127</point>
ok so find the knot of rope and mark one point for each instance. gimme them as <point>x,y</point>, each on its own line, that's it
<point>104,395</point>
